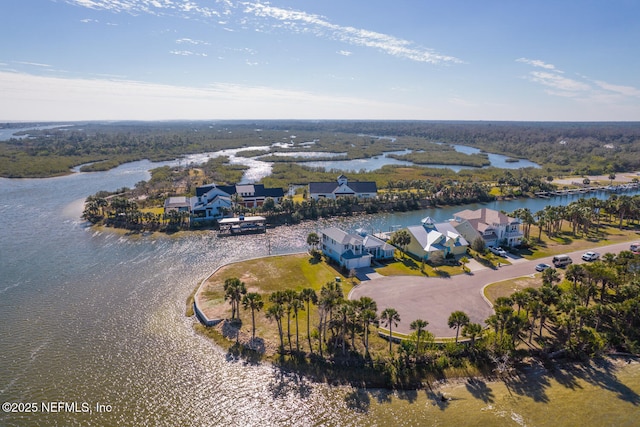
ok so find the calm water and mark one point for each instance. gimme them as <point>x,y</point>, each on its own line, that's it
<point>97,317</point>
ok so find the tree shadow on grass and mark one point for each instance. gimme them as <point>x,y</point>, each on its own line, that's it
<point>410,263</point>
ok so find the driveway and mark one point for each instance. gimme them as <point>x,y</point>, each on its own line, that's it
<point>434,298</point>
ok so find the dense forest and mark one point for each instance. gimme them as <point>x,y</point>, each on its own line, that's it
<point>561,148</point>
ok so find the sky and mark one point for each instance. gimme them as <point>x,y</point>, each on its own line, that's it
<point>560,60</point>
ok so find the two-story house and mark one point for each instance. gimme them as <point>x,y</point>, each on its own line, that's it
<point>495,228</point>
<point>344,248</point>
<point>341,188</point>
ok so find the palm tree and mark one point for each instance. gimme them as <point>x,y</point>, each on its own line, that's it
<point>313,240</point>
<point>276,312</point>
<point>390,317</point>
<point>472,331</point>
<point>234,290</point>
<point>297,305</point>
<point>289,297</point>
<point>457,320</point>
<point>575,273</point>
<point>252,301</point>
<point>418,325</point>
<point>550,276</point>
<point>309,296</point>
<point>401,238</point>
<point>369,314</point>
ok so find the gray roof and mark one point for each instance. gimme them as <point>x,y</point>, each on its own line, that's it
<point>374,242</point>
<point>330,187</point>
<point>342,237</point>
<point>443,228</point>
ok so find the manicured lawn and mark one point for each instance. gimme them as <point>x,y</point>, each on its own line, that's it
<point>565,241</point>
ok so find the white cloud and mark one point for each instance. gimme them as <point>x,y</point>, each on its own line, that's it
<point>582,88</point>
<point>559,82</point>
<point>191,41</point>
<point>538,63</point>
<point>34,64</point>
<point>187,53</point>
<point>298,21</point>
<point>618,89</point>
<point>275,17</point>
<point>345,53</point>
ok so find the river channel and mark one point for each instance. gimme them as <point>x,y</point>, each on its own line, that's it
<point>95,319</point>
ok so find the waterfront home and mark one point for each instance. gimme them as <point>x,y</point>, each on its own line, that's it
<point>378,248</point>
<point>345,249</point>
<point>178,204</point>
<point>216,201</point>
<point>431,237</point>
<point>341,188</point>
<point>495,228</point>
<point>247,195</point>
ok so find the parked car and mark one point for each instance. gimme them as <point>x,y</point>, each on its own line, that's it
<point>635,248</point>
<point>542,266</point>
<point>561,261</point>
<point>590,256</point>
<point>498,251</point>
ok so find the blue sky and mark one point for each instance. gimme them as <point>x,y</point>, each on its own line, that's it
<point>324,59</point>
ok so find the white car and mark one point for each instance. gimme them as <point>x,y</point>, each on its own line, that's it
<point>590,256</point>
<point>498,251</point>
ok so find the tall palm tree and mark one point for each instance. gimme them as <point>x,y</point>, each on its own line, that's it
<point>276,312</point>
<point>472,331</point>
<point>457,320</point>
<point>313,240</point>
<point>309,296</point>
<point>418,325</point>
<point>252,301</point>
<point>390,317</point>
<point>550,276</point>
<point>290,296</point>
<point>296,306</point>
<point>575,273</point>
<point>234,290</point>
<point>401,238</point>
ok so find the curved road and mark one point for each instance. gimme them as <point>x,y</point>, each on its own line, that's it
<point>434,299</point>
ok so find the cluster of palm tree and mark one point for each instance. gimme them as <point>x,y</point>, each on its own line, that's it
<point>122,212</point>
<point>582,215</point>
<point>443,192</point>
<point>598,308</point>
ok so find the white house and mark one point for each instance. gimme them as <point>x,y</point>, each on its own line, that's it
<point>432,237</point>
<point>209,203</point>
<point>341,188</point>
<point>216,201</point>
<point>344,248</point>
<point>494,227</point>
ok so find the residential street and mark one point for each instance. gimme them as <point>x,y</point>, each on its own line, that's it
<point>434,299</point>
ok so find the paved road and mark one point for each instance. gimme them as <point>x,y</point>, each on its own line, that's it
<point>434,299</point>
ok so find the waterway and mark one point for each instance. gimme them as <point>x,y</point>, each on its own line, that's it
<point>97,317</point>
